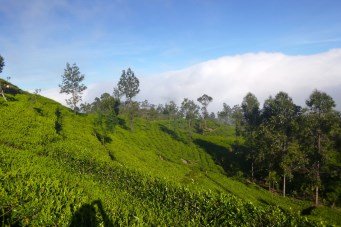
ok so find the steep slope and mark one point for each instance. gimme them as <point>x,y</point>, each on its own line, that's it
<point>55,171</point>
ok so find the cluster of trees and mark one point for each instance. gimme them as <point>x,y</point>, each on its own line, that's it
<point>285,142</point>
<point>109,105</point>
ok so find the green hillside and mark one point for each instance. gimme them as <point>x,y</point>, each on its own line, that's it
<point>54,170</point>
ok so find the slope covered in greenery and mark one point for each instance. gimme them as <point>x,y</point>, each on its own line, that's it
<point>55,171</point>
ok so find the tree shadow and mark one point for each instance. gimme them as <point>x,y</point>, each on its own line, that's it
<point>122,123</point>
<point>39,111</point>
<point>221,155</point>
<point>88,216</point>
<point>172,133</point>
<point>104,139</point>
<point>266,202</point>
<point>308,210</point>
<point>6,218</point>
<point>58,122</point>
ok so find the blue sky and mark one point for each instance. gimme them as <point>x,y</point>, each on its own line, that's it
<point>38,37</point>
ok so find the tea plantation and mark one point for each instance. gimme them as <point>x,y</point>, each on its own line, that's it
<point>54,171</point>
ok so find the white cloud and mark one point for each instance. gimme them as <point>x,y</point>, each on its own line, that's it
<point>228,79</point>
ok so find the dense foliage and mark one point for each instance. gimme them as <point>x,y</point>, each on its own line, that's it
<point>284,141</point>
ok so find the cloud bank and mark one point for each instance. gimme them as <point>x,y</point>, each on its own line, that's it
<point>229,78</point>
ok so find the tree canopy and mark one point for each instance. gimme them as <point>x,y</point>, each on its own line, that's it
<point>128,84</point>
<point>72,84</point>
<point>2,63</point>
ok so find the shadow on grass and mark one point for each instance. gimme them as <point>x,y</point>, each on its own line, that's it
<point>104,139</point>
<point>265,202</point>
<point>39,111</point>
<point>308,210</point>
<point>88,216</point>
<point>221,155</point>
<point>58,121</point>
<point>172,133</point>
<point>122,123</point>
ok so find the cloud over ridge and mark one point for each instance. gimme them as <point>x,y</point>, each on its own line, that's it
<point>229,78</point>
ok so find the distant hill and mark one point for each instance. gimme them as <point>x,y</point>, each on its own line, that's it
<point>54,170</point>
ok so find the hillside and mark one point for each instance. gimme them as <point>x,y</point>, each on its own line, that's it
<point>55,171</point>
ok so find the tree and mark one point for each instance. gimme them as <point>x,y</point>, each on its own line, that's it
<point>128,85</point>
<point>281,114</point>
<point>85,107</point>
<point>2,64</point>
<point>225,114</point>
<point>35,94</point>
<point>237,119</point>
<point>320,119</point>
<point>171,110</point>
<point>72,84</point>
<point>266,154</point>
<point>148,110</point>
<point>251,114</point>
<point>292,160</point>
<point>106,108</point>
<point>190,111</point>
<point>106,104</point>
<point>205,100</point>
<point>212,115</point>
<point>117,94</point>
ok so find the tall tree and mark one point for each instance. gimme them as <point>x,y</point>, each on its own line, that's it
<point>251,114</point>
<point>72,84</point>
<point>171,110</point>
<point>237,119</point>
<point>106,108</point>
<point>205,100</point>
<point>281,114</point>
<point>320,121</point>
<point>2,64</point>
<point>225,114</point>
<point>128,85</point>
<point>190,110</point>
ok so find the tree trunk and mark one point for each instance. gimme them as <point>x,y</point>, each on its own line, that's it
<point>74,101</point>
<point>318,171</point>
<point>269,181</point>
<point>131,121</point>
<point>252,171</point>
<point>317,196</point>
<point>284,184</point>
<point>317,184</point>
<point>131,117</point>
<point>2,93</point>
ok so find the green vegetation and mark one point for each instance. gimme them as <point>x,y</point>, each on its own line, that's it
<point>56,169</point>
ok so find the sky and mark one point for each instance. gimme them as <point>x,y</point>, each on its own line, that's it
<point>176,48</point>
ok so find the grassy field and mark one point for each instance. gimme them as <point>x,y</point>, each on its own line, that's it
<point>55,171</point>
